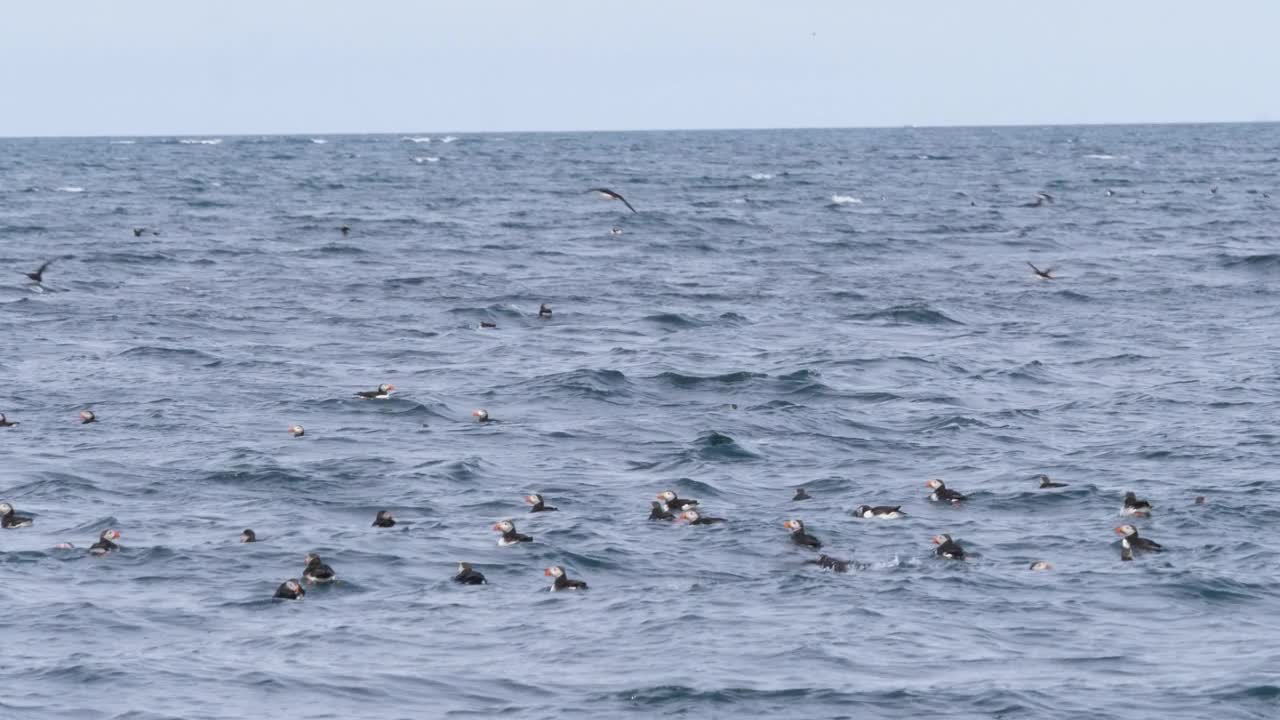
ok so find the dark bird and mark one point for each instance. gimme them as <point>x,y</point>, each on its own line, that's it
<point>830,563</point>
<point>316,571</point>
<point>290,590</point>
<point>137,232</point>
<point>509,534</point>
<point>1131,542</point>
<point>248,536</point>
<point>1200,499</point>
<point>658,511</point>
<point>38,276</point>
<point>544,310</point>
<point>384,519</point>
<point>105,544</point>
<point>1047,273</point>
<point>562,581</point>
<point>345,229</point>
<point>801,495</point>
<point>675,503</point>
<point>1042,198</point>
<point>87,416</point>
<point>799,536</point>
<point>1134,506</point>
<point>890,512</point>
<point>615,231</point>
<point>538,505</point>
<point>11,521</point>
<point>468,576</point>
<point>482,416</point>
<point>611,195</point>
<point>297,430</point>
<point>4,421</point>
<point>948,548</point>
<point>1045,482</point>
<point>1042,565</point>
<point>382,393</point>
<point>693,517</point>
<point>486,324</point>
<point>942,493</point>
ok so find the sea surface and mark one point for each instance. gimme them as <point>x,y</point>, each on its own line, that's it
<point>850,311</point>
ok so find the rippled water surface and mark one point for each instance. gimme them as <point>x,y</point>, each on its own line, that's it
<point>848,311</point>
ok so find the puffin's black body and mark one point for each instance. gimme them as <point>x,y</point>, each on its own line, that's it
<point>384,519</point>
<point>317,571</point>
<point>4,421</point>
<point>544,310</point>
<point>830,563</point>
<point>469,576</point>
<point>509,534</point>
<point>879,511</point>
<point>538,505</point>
<point>948,548</point>
<point>942,493</point>
<point>105,544</point>
<point>800,495</point>
<point>1132,543</point>
<point>10,520</point>
<point>658,511</point>
<point>695,518</point>
<point>38,276</point>
<point>676,503</point>
<point>800,537</point>
<point>290,590</point>
<point>1046,483</point>
<point>382,393</point>
<point>562,581</point>
<point>1134,506</point>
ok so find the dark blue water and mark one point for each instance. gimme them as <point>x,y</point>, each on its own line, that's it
<point>850,311</point>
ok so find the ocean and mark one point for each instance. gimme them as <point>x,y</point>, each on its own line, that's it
<point>848,311</point>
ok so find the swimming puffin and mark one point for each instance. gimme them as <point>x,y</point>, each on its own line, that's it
<point>880,511</point>
<point>799,536</point>
<point>248,536</point>
<point>693,517</point>
<point>482,416</point>
<point>1045,482</point>
<point>345,230</point>
<point>1134,506</point>
<point>562,581</point>
<point>675,503</point>
<point>1041,565</point>
<point>1133,543</point>
<point>608,194</point>
<point>297,430</point>
<point>544,310</point>
<point>384,519</point>
<point>941,493</point>
<point>830,563</point>
<point>317,571</point>
<point>615,230</point>
<point>948,548</point>
<point>538,505</point>
<point>4,421</point>
<point>87,416</point>
<point>105,544</point>
<point>658,511</point>
<point>801,494</point>
<point>37,277</point>
<point>1046,274</point>
<point>509,534</point>
<point>11,521</point>
<point>1041,199</point>
<point>468,576</point>
<point>484,324</point>
<point>382,393</point>
<point>290,589</point>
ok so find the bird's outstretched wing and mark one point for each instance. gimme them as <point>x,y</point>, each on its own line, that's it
<point>1035,269</point>
<point>613,195</point>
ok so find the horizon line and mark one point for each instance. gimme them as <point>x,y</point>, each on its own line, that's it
<point>1011,125</point>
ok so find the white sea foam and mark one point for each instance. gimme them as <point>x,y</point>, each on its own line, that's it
<point>423,158</point>
<point>1101,157</point>
<point>845,200</point>
<point>448,139</point>
<point>69,188</point>
<point>201,141</point>
<point>123,142</point>
<point>761,176</point>
<point>417,139</point>
<point>319,141</point>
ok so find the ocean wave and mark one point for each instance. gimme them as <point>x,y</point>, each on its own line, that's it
<point>682,380</point>
<point>426,159</point>
<point>761,176</point>
<point>69,189</point>
<point>319,141</point>
<point>200,141</point>
<point>916,313</point>
<point>422,139</point>
<point>123,142</point>
<point>448,139</point>
<point>845,200</point>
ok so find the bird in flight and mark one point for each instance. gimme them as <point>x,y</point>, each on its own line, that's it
<point>608,194</point>
<point>1047,273</point>
<point>38,276</point>
<point>1041,199</point>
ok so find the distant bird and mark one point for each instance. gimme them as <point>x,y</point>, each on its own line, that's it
<point>469,576</point>
<point>384,519</point>
<point>658,511</point>
<point>37,277</point>
<point>488,324</point>
<point>382,393</point>
<point>316,571</point>
<point>1047,273</point>
<point>544,310</point>
<point>1213,190</point>
<point>1134,506</point>
<point>297,431</point>
<point>4,421</point>
<point>87,416</point>
<point>830,563</point>
<point>942,493</point>
<point>1131,542</point>
<point>538,505</point>
<point>289,590</point>
<point>948,548</point>
<point>615,230</point>
<point>248,536</point>
<point>1200,499</point>
<point>562,581</point>
<point>482,416</point>
<point>140,231</point>
<point>105,544</point>
<point>9,520</point>
<point>346,230</point>
<point>1110,193</point>
<point>693,517</point>
<point>675,503</point>
<point>890,512</point>
<point>799,536</point>
<point>1041,565</point>
<point>1045,482</point>
<point>800,495</point>
<point>1042,198</point>
<point>611,195</point>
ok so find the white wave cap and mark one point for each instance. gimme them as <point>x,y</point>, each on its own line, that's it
<point>201,141</point>
<point>70,189</point>
<point>422,139</point>
<point>845,200</point>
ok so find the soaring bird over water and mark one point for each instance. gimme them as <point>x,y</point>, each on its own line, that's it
<point>608,194</point>
<point>1047,273</point>
<point>38,276</point>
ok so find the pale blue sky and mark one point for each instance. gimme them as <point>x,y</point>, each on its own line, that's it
<point>125,67</point>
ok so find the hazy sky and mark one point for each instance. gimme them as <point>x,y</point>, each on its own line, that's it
<point>90,67</point>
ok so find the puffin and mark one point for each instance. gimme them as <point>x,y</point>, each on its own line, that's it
<point>941,493</point>
<point>384,519</point>
<point>317,571</point>
<point>799,536</point>
<point>382,393</point>
<point>562,581</point>
<point>608,194</point>
<point>615,230</point>
<point>1046,483</point>
<point>676,503</point>
<point>1041,565</point>
<point>879,511</point>
<point>801,494</point>
<point>4,421</point>
<point>694,518</point>
<point>290,589</point>
<point>1134,506</point>
<point>248,536</point>
<point>9,520</point>
<point>509,534</point>
<point>345,230</point>
<point>482,416</point>
<point>486,324</point>
<point>37,277</point>
<point>830,563</point>
<point>297,430</point>
<point>469,576</point>
<point>105,544</point>
<point>948,548</point>
<point>1041,199</point>
<point>87,416</point>
<point>538,505</point>
<point>1046,274</point>
<point>658,511</point>
<point>1131,542</point>
<point>544,310</point>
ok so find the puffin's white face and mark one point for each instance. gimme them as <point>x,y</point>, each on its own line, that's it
<point>941,539</point>
<point>504,526</point>
<point>555,571</point>
<point>5,508</point>
<point>463,567</point>
<point>862,511</point>
<point>86,415</point>
<point>935,484</point>
<point>666,496</point>
<point>1126,530</point>
<point>1041,565</point>
<point>295,429</point>
<point>384,387</point>
<point>481,415</point>
<point>793,525</point>
<point>533,499</point>
<point>293,586</point>
<point>690,515</point>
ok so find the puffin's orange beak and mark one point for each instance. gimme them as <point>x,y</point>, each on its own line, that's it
<point>937,540</point>
<point>547,572</point>
<point>530,499</point>
<point>1119,531</point>
<point>497,526</point>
